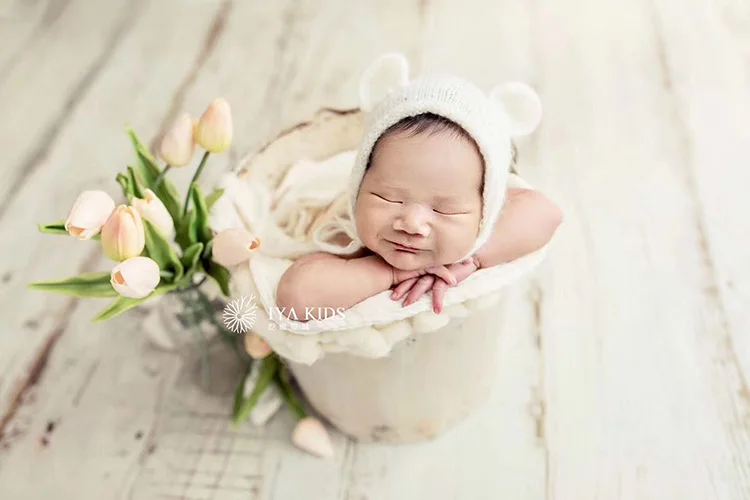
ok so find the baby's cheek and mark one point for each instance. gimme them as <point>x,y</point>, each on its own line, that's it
<point>367,223</point>
<point>458,238</point>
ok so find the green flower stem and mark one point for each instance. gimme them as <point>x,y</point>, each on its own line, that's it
<point>194,179</point>
<point>268,370</point>
<point>198,285</point>
<point>195,320</point>
<point>282,379</point>
<point>161,176</point>
<point>167,275</point>
<point>225,334</point>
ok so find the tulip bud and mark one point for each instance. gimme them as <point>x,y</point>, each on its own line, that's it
<point>178,145</point>
<point>153,209</point>
<point>310,436</point>
<point>256,347</point>
<point>136,277</point>
<point>123,236</point>
<point>233,246</point>
<point>88,214</point>
<point>214,129</point>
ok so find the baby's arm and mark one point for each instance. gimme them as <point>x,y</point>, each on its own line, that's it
<point>527,222</point>
<point>321,280</point>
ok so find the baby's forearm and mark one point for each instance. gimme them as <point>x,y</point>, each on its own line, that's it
<point>527,223</point>
<point>310,286</point>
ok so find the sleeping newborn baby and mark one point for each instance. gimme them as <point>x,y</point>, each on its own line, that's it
<point>429,200</point>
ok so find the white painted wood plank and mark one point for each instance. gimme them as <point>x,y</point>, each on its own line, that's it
<point>638,405</point>
<point>90,150</point>
<point>137,88</point>
<point>31,99</point>
<point>18,21</point>
<point>711,82</point>
<point>45,78</point>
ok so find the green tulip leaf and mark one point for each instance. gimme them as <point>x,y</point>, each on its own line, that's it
<point>283,381</point>
<point>168,194</point>
<point>147,163</point>
<point>53,228</point>
<point>59,228</point>
<point>124,182</point>
<point>191,257</point>
<point>239,392</point>
<point>202,231</point>
<point>158,249</point>
<point>186,235</point>
<point>266,375</point>
<point>219,273</point>
<point>213,198</point>
<point>117,307</point>
<point>122,304</point>
<point>149,172</point>
<point>84,285</point>
<point>135,187</point>
<point>208,249</point>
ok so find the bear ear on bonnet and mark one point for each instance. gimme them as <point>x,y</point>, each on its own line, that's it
<point>387,72</point>
<point>384,74</point>
<point>522,105</point>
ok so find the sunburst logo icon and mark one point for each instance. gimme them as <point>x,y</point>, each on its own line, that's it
<point>239,314</point>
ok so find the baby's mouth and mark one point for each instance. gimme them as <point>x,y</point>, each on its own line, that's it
<point>404,248</point>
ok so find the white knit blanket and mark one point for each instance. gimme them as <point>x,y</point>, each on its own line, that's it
<point>282,217</point>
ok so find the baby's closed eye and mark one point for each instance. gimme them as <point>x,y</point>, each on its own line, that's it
<point>450,207</point>
<point>389,199</point>
<point>440,206</point>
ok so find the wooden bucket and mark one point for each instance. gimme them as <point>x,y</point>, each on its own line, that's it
<point>430,381</point>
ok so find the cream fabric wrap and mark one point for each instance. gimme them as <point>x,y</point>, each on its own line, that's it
<point>312,195</point>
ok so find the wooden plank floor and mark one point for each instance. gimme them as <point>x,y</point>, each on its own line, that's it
<point>624,366</point>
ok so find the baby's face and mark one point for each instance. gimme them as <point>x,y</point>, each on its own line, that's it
<point>422,192</point>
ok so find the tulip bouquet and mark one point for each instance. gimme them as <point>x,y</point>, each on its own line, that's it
<point>161,245</point>
<point>146,237</point>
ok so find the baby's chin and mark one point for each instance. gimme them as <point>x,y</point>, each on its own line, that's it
<point>407,261</point>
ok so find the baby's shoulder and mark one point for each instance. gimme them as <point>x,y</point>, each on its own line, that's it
<point>364,252</point>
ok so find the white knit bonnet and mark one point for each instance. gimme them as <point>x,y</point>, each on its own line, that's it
<point>509,110</point>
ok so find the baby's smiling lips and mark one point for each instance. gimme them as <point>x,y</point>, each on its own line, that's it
<point>405,248</point>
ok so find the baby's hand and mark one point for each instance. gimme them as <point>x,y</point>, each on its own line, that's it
<point>417,286</point>
<point>442,272</point>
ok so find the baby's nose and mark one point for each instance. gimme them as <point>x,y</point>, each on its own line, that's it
<point>414,220</point>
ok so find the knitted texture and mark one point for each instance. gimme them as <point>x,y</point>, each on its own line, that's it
<point>464,104</point>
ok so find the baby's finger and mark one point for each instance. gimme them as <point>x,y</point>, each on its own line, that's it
<point>402,288</point>
<point>438,295</point>
<point>424,284</point>
<point>462,270</point>
<point>444,273</point>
